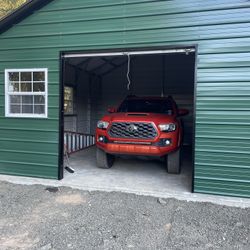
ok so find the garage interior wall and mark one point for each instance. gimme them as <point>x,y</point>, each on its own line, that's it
<point>87,101</point>
<point>79,120</point>
<point>150,75</point>
<point>221,31</point>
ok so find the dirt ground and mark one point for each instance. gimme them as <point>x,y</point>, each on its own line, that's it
<point>39,217</point>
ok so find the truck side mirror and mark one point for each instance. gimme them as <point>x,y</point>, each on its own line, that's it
<point>182,112</point>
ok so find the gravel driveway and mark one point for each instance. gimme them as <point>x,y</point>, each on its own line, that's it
<point>36,217</point>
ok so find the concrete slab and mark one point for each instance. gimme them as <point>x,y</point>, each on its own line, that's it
<point>130,175</point>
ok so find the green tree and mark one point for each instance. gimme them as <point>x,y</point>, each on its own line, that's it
<point>7,6</point>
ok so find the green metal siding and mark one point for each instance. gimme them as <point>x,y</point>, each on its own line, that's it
<point>220,28</point>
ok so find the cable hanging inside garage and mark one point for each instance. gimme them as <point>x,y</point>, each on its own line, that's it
<point>128,72</point>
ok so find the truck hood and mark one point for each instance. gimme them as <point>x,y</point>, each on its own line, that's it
<point>139,117</point>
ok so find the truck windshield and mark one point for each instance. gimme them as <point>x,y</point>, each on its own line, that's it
<point>146,106</point>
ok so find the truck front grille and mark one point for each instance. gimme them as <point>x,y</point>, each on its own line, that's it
<point>133,130</point>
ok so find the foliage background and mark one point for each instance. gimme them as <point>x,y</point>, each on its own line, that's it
<point>6,6</point>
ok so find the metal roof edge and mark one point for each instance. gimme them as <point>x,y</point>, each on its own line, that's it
<point>21,13</point>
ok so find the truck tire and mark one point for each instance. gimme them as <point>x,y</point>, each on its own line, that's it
<point>103,159</point>
<point>173,161</point>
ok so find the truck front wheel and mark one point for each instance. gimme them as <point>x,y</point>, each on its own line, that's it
<point>103,159</point>
<point>173,162</point>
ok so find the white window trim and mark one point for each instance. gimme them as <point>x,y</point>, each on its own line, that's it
<point>7,106</point>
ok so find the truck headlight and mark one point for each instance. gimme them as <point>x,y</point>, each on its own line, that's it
<point>102,124</point>
<point>168,127</point>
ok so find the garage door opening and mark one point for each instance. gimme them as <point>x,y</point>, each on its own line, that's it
<point>95,82</point>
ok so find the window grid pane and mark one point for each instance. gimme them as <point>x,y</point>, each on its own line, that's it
<point>38,86</point>
<point>26,76</point>
<point>38,76</point>
<point>13,87</point>
<point>39,109</point>
<point>15,109</point>
<point>15,99</point>
<point>26,87</point>
<point>27,109</point>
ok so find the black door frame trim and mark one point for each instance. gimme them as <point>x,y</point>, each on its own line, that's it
<point>61,119</point>
<point>124,49</point>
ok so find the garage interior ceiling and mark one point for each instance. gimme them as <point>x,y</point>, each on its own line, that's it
<point>100,64</point>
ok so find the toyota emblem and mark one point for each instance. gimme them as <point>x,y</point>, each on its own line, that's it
<point>132,128</point>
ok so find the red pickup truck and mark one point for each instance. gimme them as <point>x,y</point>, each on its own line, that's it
<point>148,126</point>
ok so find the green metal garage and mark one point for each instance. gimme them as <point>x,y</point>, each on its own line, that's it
<point>36,39</point>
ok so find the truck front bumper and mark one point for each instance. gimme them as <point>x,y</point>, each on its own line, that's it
<point>159,148</point>
<point>129,149</point>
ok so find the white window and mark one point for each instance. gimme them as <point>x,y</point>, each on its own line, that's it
<point>26,92</point>
<point>68,100</point>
